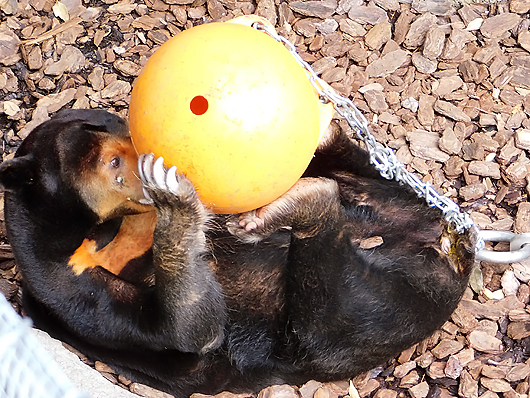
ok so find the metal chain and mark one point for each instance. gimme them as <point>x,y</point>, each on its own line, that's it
<point>383,158</point>
<point>386,162</point>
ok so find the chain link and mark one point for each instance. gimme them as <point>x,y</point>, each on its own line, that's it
<point>383,158</point>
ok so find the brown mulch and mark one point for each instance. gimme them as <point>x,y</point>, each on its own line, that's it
<point>445,84</point>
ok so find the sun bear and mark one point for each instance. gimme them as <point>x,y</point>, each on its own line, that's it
<point>122,261</point>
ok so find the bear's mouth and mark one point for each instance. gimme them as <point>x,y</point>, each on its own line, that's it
<point>140,205</point>
<point>129,207</point>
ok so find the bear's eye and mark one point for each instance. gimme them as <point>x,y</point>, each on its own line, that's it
<point>115,162</point>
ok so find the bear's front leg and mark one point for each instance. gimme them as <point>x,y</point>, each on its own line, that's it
<point>187,289</point>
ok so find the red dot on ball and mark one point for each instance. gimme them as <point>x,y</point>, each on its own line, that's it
<point>199,105</point>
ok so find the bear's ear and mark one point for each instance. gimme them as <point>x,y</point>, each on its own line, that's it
<point>16,172</point>
<point>94,118</point>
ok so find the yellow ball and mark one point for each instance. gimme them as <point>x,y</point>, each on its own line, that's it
<point>231,108</point>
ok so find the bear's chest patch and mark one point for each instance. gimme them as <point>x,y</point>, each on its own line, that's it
<point>134,238</point>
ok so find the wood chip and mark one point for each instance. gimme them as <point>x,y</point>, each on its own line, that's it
<point>468,387</point>
<point>446,348</point>
<point>436,370</point>
<point>437,7</point>
<point>424,64</point>
<point>434,42</point>
<point>518,330</point>
<point>351,28</point>
<point>493,372</point>
<point>320,9</point>
<point>424,144</point>
<point>418,29</point>
<point>117,88</point>
<point>309,388</point>
<point>472,192</point>
<point>378,35</point>
<point>497,25</point>
<point>453,368</point>
<point>385,393</point>
<point>401,370</point>
<point>451,111</point>
<point>482,341</point>
<point>388,5</point>
<point>495,385</point>
<point>101,367</point>
<point>446,85</point>
<point>53,32</point>
<point>519,6</point>
<point>372,15</point>
<point>387,64</point>
<point>370,386</point>
<point>372,242</point>
<point>376,101</point>
<point>519,372</point>
<point>285,391</point>
<point>146,391</point>
<point>54,102</point>
<point>485,169</point>
<point>127,68</point>
<point>420,390</point>
<point>72,60</point>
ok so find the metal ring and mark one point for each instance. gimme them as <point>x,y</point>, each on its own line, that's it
<point>519,247</point>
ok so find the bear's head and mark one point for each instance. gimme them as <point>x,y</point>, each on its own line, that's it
<point>77,159</point>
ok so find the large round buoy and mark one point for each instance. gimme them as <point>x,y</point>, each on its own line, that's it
<point>232,109</point>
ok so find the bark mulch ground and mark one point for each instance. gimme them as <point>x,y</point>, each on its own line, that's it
<point>445,84</point>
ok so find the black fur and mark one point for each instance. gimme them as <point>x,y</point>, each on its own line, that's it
<point>205,315</point>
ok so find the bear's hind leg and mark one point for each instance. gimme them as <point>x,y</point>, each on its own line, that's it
<point>309,207</point>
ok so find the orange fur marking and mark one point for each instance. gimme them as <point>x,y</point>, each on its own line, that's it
<point>134,238</point>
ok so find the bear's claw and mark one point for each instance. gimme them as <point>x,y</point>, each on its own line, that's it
<point>155,175</point>
<point>171,180</point>
<point>159,173</point>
